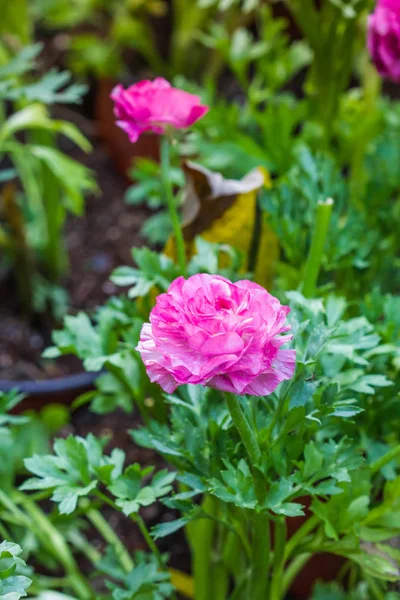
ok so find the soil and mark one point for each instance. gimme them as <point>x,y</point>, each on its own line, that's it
<point>97,243</point>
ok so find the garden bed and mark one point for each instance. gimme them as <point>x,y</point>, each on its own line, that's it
<point>97,244</point>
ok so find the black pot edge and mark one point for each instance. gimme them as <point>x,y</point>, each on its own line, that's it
<point>51,387</point>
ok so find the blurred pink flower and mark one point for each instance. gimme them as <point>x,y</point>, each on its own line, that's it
<point>154,105</point>
<point>384,38</point>
<point>206,330</point>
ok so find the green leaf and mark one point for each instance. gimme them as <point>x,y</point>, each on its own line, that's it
<point>22,62</point>
<point>131,493</point>
<point>313,460</point>
<point>12,586</point>
<point>77,468</point>
<point>154,270</point>
<point>163,529</point>
<point>74,178</point>
<point>145,582</point>
<point>48,89</point>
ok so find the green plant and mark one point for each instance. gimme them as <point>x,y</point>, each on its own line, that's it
<point>108,338</point>
<point>40,184</point>
<point>334,33</point>
<point>310,442</point>
<point>12,586</point>
<point>112,28</point>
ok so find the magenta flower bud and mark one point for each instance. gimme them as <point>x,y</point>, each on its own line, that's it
<point>384,38</point>
<point>206,330</point>
<point>154,106</point>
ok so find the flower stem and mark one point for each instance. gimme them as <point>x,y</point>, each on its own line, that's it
<point>314,259</point>
<point>385,459</point>
<point>259,582</point>
<point>33,517</point>
<point>277,414</point>
<point>279,559</point>
<point>242,425</point>
<point>200,534</point>
<point>169,196</point>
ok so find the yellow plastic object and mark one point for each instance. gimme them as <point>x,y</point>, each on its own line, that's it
<point>234,226</point>
<point>183,583</point>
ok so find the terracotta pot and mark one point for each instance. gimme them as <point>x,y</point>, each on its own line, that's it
<point>62,390</point>
<point>121,150</point>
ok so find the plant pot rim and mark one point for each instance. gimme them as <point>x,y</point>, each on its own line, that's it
<point>69,385</point>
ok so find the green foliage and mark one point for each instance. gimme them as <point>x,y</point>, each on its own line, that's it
<point>130,493</point>
<point>328,439</point>
<point>50,184</point>
<point>353,234</point>
<point>108,340</point>
<point>53,87</point>
<point>79,467</point>
<point>147,189</point>
<point>109,343</point>
<point>333,591</point>
<point>144,582</point>
<point>12,586</point>
<point>154,270</point>
<point>121,25</point>
<point>269,52</point>
<point>8,401</point>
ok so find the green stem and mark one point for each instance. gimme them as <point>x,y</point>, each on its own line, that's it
<point>261,525</point>
<point>102,526</point>
<point>250,442</point>
<point>149,540</point>
<point>314,260</point>
<point>151,544</point>
<point>242,425</point>
<point>4,532</point>
<point>306,16</point>
<point>54,252</point>
<point>23,263</point>
<point>43,583</point>
<point>293,570</point>
<point>300,534</point>
<point>366,129</point>
<point>279,409</point>
<point>259,581</point>
<point>375,589</point>
<point>200,534</point>
<point>385,459</point>
<point>80,543</point>
<point>280,533</point>
<point>143,530</point>
<point>51,539</point>
<point>169,196</point>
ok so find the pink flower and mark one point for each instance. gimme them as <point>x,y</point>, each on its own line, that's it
<point>206,330</point>
<point>154,105</point>
<point>384,38</point>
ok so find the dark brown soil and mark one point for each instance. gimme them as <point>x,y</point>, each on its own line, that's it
<point>97,243</point>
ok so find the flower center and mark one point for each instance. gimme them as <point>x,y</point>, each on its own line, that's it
<point>222,303</point>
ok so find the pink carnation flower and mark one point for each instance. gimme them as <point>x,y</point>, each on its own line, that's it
<point>154,105</point>
<point>384,38</point>
<point>206,330</point>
